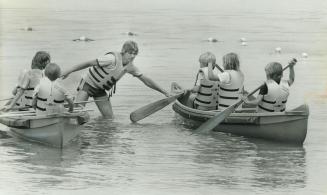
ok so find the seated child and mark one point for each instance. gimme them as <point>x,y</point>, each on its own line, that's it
<point>49,95</point>
<point>206,91</point>
<point>27,81</point>
<point>274,93</point>
<point>230,81</point>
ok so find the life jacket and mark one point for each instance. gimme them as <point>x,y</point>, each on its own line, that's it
<point>207,96</point>
<point>34,77</point>
<point>106,77</point>
<point>230,93</point>
<point>276,97</point>
<point>50,98</point>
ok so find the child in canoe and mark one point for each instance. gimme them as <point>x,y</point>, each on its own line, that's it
<point>206,91</point>
<point>49,96</point>
<point>274,93</point>
<point>231,81</point>
<point>27,81</point>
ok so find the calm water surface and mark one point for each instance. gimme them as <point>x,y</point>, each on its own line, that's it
<point>160,155</point>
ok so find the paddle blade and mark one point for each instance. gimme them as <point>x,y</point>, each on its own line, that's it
<point>217,119</point>
<point>153,107</point>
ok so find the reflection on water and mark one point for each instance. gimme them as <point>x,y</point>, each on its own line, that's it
<point>110,154</point>
<point>234,162</point>
<point>279,166</point>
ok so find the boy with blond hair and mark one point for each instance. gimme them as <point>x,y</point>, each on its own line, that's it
<point>273,95</point>
<point>206,97</point>
<point>49,96</point>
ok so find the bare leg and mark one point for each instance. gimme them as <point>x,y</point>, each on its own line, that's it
<point>105,107</point>
<point>81,96</point>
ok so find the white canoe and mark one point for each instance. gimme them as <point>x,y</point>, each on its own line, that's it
<point>55,130</point>
<point>289,126</point>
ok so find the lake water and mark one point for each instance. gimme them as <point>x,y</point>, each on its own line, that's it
<point>159,155</point>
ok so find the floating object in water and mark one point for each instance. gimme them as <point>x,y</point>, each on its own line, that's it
<point>83,38</point>
<point>278,50</point>
<point>28,28</point>
<point>304,55</point>
<point>131,33</point>
<point>210,39</point>
<point>242,39</point>
<point>244,43</point>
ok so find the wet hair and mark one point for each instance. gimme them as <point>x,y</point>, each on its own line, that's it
<point>207,57</point>
<point>273,69</point>
<point>130,47</point>
<point>52,71</point>
<point>40,60</point>
<point>231,61</point>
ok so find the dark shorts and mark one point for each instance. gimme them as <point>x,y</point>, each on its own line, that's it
<point>91,91</point>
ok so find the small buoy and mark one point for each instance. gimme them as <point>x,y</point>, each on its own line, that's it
<point>83,38</point>
<point>131,34</point>
<point>210,39</point>
<point>244,43</point>
<point>304,55</point>
<point>242,39</point>
<point>278,50</point>
<point>28,28</point>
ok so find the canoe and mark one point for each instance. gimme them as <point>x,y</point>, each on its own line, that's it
<point>288,127</point>
<point>55,130</point>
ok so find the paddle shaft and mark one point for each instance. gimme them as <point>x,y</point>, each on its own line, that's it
<point>6,99</point>
<point>84,102</point>
<point>220,69</point>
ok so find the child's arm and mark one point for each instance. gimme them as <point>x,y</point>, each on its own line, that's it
<point>254,102</point>
<point>34,101</point>
<point>19,93</point>
<point>291,75</point>
<point>78,67</point>
<point>68,97</point>
<point>211,75</point>
<point>34,97</point>
<point>70,104</point>
<point>263,91</point>
<point>19,90</point>
<point>195,89</point>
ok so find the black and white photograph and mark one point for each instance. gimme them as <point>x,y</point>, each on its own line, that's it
<point>163,97</point>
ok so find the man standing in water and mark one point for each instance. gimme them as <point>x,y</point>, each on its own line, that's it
<point>103,74</point>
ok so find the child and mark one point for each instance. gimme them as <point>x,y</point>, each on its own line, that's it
<point>103,74</point>
<point>27,81</point>
<point>206,97</point>
<point>49,95</point>
<point>274,93</point>
<point>230,81</point>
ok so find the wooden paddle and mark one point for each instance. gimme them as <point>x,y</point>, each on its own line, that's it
<point>153,107</point>
<point>220,116</point>
<point>89,101</point>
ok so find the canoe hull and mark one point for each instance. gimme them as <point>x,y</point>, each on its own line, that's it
<point>52,131</point>
<point>289,127</point>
